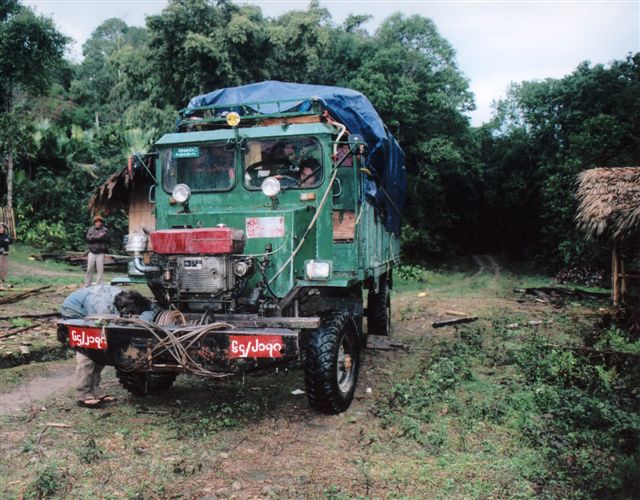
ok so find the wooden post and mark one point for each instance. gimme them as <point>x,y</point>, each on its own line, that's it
<point>615,277</point>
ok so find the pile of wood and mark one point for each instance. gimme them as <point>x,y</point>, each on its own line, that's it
<point>40,319</point>
<point>115,263</point>
<point>558,295</point>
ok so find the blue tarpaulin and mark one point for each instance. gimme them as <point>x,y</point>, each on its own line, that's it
<point>387,189</point>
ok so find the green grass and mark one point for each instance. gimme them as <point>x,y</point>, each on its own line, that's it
<point>506,402</point>
<point>461,284</point>
<point>44,272</point>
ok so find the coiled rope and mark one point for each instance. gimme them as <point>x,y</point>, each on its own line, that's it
<point>176,343</point>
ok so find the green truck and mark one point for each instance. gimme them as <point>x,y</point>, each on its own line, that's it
<point>277,209</point>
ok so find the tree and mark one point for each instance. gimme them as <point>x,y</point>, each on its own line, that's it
<point>31,49</point>
<point>101,76</point>
<point>196,46</point>
<point>543,134</point>
<point>300,45</point>
<point>409,72</point>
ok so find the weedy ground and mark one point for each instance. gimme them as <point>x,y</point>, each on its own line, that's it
<point>492,409</point>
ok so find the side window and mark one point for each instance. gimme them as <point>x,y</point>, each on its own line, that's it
<point>296,162</point>
<point>344,191</point>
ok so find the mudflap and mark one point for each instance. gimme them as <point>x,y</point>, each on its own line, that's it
<point>223,351</point>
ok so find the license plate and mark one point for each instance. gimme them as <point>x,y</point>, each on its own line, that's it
<point>87,337</point>
<point>255,346</point>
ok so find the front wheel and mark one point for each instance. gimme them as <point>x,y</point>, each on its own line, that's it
<point>332,363</point>
<point>141,384</point>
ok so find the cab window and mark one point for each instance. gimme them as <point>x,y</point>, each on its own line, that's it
<point>202,168</point>
<point>296,162</point>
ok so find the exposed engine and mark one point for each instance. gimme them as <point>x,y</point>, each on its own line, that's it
<point>203,274</point>
<point>196,269</point>
<point>199,283</point>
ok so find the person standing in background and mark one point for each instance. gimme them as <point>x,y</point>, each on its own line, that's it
<point>5,241</point>
<point>97,240</point>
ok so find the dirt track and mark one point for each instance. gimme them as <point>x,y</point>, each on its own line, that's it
<point>56,381</point>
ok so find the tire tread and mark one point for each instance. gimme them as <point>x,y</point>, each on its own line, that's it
<point>322,391</point>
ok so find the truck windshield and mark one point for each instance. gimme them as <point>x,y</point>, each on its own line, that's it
<point>203,168</point>
<point>295,161</point>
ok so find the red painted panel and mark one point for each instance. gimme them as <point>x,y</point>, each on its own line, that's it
<point>255,346</point>
<point>87,337</point>
<point>202,241</point>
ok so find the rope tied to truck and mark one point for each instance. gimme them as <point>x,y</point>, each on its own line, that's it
<point>174,342</point>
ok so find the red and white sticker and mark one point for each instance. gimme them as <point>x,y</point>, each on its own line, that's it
<point>255,346</point>
<point>87,337</point>
<point>264,227</point>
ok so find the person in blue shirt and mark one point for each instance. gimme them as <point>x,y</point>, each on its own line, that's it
<point>92,301</point>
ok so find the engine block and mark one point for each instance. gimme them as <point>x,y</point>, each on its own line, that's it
<point>203,274</point>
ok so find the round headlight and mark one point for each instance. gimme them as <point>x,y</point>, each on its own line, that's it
<point>181,193</point>
<point>233,119</point>
<point>270,187</point>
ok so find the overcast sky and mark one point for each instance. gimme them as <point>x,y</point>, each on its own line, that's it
<point>496,41</point>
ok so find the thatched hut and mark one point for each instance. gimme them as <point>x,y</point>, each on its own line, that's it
<point>610,205</point>
<point>131,190</point>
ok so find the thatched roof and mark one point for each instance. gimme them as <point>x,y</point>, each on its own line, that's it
<point>609,201</point>
<point>113,194</point>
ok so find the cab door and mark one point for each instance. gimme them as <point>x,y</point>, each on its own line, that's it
<point>343,216</point>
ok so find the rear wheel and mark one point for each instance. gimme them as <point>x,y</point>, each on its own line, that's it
<point>146,383</point>
<point>332,363</point>
<point>379,309</point>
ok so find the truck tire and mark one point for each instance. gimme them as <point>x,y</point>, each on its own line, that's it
<point>332,363</point>
<point>379,309</point>
<point>142,384</point>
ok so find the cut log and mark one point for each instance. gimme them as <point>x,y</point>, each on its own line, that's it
<point>456,321</point>
<point>19,330</point>
<point>32,316</point>
<point>456,313</point>
<point>17,297</point>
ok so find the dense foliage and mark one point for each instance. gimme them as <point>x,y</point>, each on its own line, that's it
<point>505,187</point>
<point>543,134</point>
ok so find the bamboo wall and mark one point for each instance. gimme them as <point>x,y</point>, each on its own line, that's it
<point>141,210</point>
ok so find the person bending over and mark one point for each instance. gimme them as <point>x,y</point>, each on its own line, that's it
<point>92,301</point>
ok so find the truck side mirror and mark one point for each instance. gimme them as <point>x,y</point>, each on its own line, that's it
<point>357,144</point>
<point>231,144</point>
<point>355,139</point>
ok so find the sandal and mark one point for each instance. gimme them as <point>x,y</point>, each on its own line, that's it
<point>90,403</point>
<point>107,398</point>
